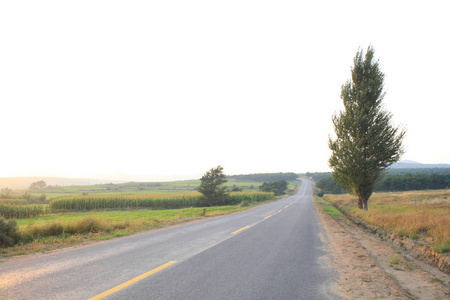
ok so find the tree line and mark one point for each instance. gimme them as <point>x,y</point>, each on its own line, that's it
<point>409,182</point>
<point>403,171</point>
<point>262,177</point>
<point>393,183</point>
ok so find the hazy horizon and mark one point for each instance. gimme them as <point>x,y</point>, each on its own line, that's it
<point>123,177</point>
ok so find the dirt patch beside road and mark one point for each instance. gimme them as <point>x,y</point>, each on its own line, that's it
<point>371,269</point>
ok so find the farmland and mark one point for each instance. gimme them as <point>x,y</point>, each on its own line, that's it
<point>423,215</point>
<point>53,231</point>
<point>152,201</point>
<point>73,214</point>
<point>49,193</point>
<point>120,201</point>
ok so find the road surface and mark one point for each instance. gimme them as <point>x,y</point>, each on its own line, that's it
<point>274,251</point>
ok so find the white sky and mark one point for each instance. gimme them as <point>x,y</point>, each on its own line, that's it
<point>91,88</point>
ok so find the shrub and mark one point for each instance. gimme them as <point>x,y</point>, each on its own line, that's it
<point>8,230</point>
<point>82,226</point>
<point>88,225</point>
<point>41,230</point>
<point>277,187</point>
<point>319,192</point>
<point>244,203</point>
<point>329,186</point>
<point>236,189</point>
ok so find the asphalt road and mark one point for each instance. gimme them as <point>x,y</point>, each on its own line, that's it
<point>270,252</point>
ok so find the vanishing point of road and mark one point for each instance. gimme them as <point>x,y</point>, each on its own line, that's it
<point>274,251</point>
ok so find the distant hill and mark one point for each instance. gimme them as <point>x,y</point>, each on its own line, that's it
<point>24,182</point>
<point>409,164</point>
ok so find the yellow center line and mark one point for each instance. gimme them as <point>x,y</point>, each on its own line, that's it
<point>240,229</point>
<point>267,217</point>
<point>280,210</point>
<point>130,282</point>
<point>287,206</point>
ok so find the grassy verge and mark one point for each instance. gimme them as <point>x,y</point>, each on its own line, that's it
<point>329,208</point>
<point>55,231</point>
<point>413,214</point>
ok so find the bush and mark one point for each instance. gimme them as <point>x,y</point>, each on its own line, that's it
<point>41,230</point>
<point>245,203</point>
<point>82,226</point>
<point>277,187</point>
<point>236,189</point>
<point>319,192</point>
<point>329,186</point>
<point>8,236</point>
<point>90,225</point>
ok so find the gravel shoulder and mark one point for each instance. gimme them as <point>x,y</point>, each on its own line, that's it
<point>371,269</point>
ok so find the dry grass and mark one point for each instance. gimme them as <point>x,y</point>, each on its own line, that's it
<point>413,214</point>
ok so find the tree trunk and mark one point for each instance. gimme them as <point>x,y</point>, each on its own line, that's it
<point>360,203</point>
<point>366,207</point>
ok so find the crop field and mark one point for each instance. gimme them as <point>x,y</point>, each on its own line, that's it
<point>64,215</point>
<point>13,201</point>
<point>153,201</point>
<point>171,187</point>
<point>127,202</point>
<point>49,193</point>
<point>23,211</point>
<point>413,214</point>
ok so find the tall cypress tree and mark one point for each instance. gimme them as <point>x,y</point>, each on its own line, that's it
<point>366,143</point>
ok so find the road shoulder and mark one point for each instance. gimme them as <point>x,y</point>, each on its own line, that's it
<point>371,269</point>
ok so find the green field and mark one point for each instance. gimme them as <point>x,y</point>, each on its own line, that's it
<point>59,230</point>
<point>56,228</point>
<point>135,215</point>
<point>130,188</point>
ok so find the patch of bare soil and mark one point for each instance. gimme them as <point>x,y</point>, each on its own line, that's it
<point>371,269</point>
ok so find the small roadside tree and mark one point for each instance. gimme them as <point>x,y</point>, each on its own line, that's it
<point>212,186</point>
<point>366,143</point>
